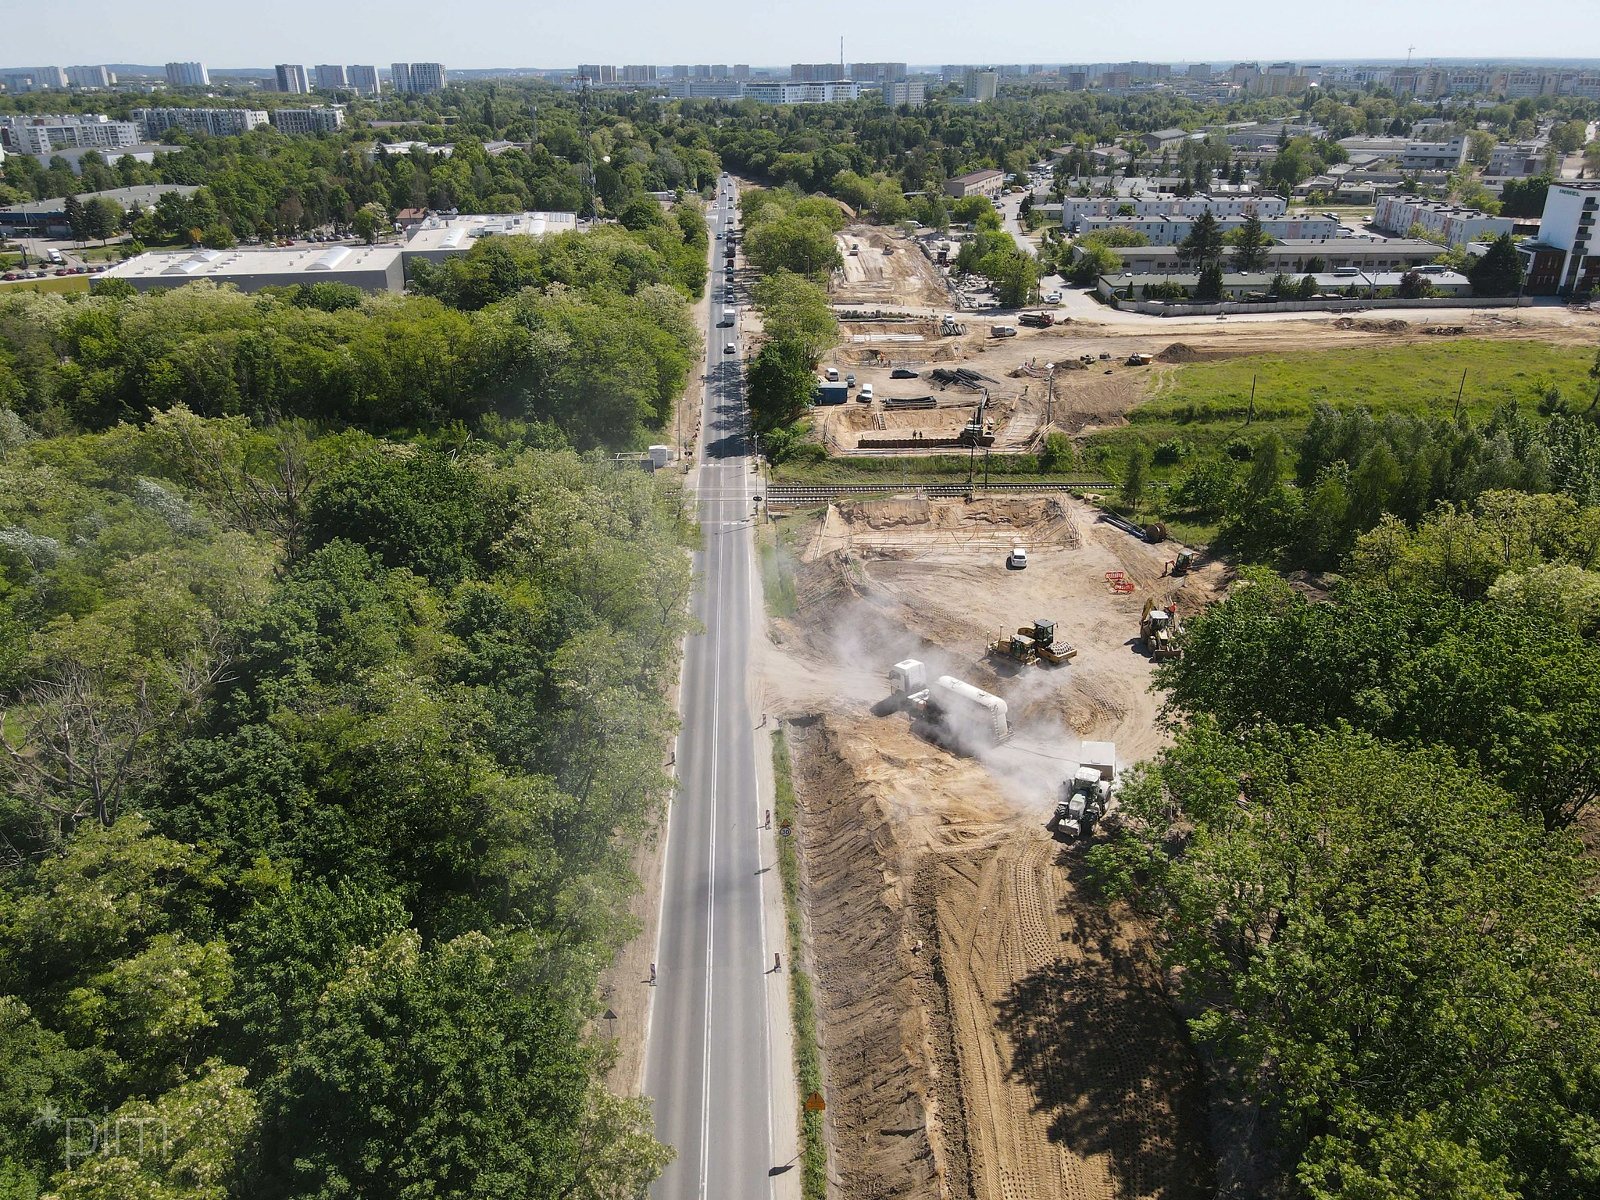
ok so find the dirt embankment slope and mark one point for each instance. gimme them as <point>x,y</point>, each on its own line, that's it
<point>991,1031</point>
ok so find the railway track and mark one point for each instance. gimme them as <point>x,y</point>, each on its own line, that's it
<point>793,493</point>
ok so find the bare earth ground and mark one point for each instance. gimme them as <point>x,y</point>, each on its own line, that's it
<point>872,278</point>
<point>1101,394</point>
<point>989,1031</point>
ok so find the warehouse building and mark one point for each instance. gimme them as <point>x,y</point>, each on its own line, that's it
<point>371,268</point>
<point>437,238</point>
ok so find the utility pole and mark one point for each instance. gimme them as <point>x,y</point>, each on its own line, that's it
<point>1252,416</point>
<point>1459,392</point>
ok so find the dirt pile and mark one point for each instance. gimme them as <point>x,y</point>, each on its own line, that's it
<point>1178,352</point>
<point>1368,325</point>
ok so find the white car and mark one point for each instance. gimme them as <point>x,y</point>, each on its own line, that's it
<point>729,349</point>
<point>1017,560</point>
<point>1054,298</point>
<point>866,393</point>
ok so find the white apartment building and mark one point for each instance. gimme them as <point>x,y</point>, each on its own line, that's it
<point>89,77</point>
<point>292,78</point>
<point>1442,221</point>
<point>34,134</point>
<point>365,80</point>
<point>322,118</point>
<point>777,92</point>
<point>1434,156</point>
<point>1169,231</point>
<point>187,74</point>
<point>331,77</point>
<point>218,122</point>
<point>1517,160</point>
<point>911,92</point>
<point>706,89</point>
<point>1075,209</point>
<point>427,78</point>
<point>400,77</point>
<point>980,86</point>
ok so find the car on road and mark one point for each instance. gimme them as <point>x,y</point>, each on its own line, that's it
<point>866,393</point>
<point>10,275</point>
<point>728,349</point>
<point>1017,560</point>
<point>1054,298</point>
<point>902,373</point>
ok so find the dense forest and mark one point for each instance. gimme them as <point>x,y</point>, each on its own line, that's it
<point>586,332</point>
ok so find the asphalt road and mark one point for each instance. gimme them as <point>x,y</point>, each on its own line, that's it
<point>707,1066</point>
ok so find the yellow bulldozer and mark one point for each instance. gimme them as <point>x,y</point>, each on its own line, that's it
<point>1034,643</point>
<point>1158,629</point>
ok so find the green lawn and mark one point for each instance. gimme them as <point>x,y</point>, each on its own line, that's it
<point>52,283</point>
<point>1418,380</point>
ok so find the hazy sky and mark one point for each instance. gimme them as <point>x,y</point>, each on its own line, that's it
<point>504,33</point>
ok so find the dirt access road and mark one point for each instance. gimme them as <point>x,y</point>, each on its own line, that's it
<point>990,1030</point>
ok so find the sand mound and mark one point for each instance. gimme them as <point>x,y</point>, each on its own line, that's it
<point>1179,353</point>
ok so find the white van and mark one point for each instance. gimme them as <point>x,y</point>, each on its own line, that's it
<point>728,316</point>
<point>866,393</point>
<point>833,374</point>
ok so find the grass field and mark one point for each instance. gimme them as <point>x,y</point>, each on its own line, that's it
<point>52,283</point>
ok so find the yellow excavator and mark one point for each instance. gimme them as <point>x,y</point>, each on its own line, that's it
<point>1158,628</point>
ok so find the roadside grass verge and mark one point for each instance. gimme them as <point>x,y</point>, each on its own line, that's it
<point>773,544</point>
<point>64,283</point>
<point>802,1000</point>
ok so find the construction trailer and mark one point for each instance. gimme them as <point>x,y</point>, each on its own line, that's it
<point>948,711</point>
<point>1085,795</point>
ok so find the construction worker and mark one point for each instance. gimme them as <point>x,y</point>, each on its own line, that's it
<point>652,974</point>
<point>777,961</point>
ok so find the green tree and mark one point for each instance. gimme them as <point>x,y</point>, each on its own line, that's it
<point>1135,476</point>
<point>794,309</point>
<point>1208,288</point>
<point>1499,271</point>
<point>368,221</point>
<point>1203,246</point>
<point>781,384</point>
<point>1250,244</point>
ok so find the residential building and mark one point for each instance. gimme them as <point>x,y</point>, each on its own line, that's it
<point>1434,156</point>
<point>322,118</point>
<point>1077,81</point>
<point>1170,230</point>
<point>400,77</point>
<point>365,80</point>
<point>980,86</point>
<point>291,78</point>
<point>877,72</point>
<point>218,122</point>
<point>1442,221</point>
<point>427,78</point>
<point>597,72</point>
<point>1273,83</point>
<point>1239,286</point>
<point>1200,71</point>
<point>49,217</point>
<point>1149,205</point>
<point>1298,256</point>
<point>187,74</point>
<point>710,89</point>
<point>46,78</point>
<point>988,182</point>
<point>638,74</point>
<point>332,77</point>
<point>910,92</point>
<point>817,92</point>
<point>1567,238</point>
<point>18,83</point>
<point>41,134</point>
<point>436,238</point>
<point>89,77</point>
<point>371,268</point>
<point>1116,80</point>
<point>815,72</point>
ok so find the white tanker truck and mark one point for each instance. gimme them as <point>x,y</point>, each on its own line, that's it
<point>948,711</point>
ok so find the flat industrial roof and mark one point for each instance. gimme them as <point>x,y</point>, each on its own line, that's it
<point>458,233</point>
<point>144,195</point>
<point>295,263</point>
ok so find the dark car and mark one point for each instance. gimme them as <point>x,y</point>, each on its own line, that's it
<point>902,373</point>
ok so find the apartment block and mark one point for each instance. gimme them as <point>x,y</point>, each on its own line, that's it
<point>1434,156</point>
<point>1169,231</point>
<point>980,86</point>
<point>1077,209</point>
<point>1442,221</point>
<point>778,92</point>
<point>324,118</point>
<point>877,72</point>
<point>40,134</point>
<point>187,74</point>
<point>909,92</point>
<point>90,77</point>
<point>218,122</point>
<point>364,80</point>
<point>427,78</point>
<point>332,77</point>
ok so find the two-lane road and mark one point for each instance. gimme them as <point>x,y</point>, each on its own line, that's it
<point>708,1065</point>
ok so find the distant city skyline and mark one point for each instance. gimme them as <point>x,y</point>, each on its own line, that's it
<point>487,34</point>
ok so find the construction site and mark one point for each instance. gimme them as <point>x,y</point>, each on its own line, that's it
<point>925,378</point>
<point>958,717</point>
